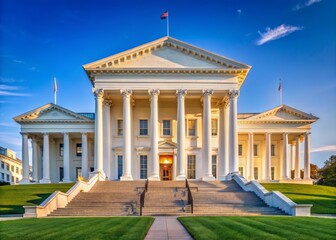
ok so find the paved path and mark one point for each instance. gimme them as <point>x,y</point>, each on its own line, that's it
<point>167,227</point>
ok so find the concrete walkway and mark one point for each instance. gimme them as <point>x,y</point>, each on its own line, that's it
<point>167,227</point>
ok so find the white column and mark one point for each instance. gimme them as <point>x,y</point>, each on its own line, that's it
<point>35,159</point>
<point>25,159</point>
<point>66,158</point>
<point>234,159</point>
<point>154,135</point>
<point>285,157</point>
<point>307,156</point>
<point>207,161</point>
<point>98,152</point>
<point>45,160</point>
<point>268,157</point>
<point>181,161</point>
<point>127,135</point>
<point>107,137</point>
<point>174,165</point>
<point>85,163</point>
<point>292,155</point>
<point>223,142</point>
<point>251,156</point>
<point>297,174</point>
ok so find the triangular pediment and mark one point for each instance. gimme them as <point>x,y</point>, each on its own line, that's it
<point>166,52</point>
<point>51,113</point>
<point>167,144</point>
<point>283,113</point>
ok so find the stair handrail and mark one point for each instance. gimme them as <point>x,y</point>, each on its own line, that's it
<point>190,198</point>
<point>146,185</point>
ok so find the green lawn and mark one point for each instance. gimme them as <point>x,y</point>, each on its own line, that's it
<point>13,197</point>
<point>286,228</point>
<point>323,198</point>
<point>76,228</point>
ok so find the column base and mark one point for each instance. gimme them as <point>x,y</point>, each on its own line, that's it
<point>180,178</point>
<point>250,178</point>
<point>154,178</point>
<point>208,178</point>
<point>66,180</point>
<point>25,181</point>
<point>101,177</point>
<point>308,178</point>
<point>285,178</point>
<point>222,178</point>
<point>45,180</point>
<point>297,178</point>
<point>126,178</point>
<point>267,179</point>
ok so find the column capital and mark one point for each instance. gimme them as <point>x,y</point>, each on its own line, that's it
<point>293,142</point>
<point>181,92</point>
<point>154,92</point>
<point>84,133</point>
<point>24,134</point>
<point>233,94</point>
<point>307,133</point>
<point>126,92</point>
<point>107,102</point>
<point>66,133</point>
<point>45,134</point>
<point>98,92</point>
<point>207,92</point>
<point>250,133</point>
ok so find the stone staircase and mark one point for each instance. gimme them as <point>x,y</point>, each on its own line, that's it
<point>109,198</point>
<point>166,198</point>
<point>227,198</point>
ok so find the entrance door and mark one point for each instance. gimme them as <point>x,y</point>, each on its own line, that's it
<point>166,172</point>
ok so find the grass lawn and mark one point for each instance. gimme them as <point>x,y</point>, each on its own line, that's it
<point>76,228</point>
<point>296,228</point>
<point>13,197</point>
<point>323,198</point>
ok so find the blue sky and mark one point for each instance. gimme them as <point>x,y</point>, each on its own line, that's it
<point>289,39</point>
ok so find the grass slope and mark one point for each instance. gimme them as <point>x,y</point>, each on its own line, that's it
<point>13,197</point>
<point>277,228</point>
<point>323,198</point>
<point>76,228</point>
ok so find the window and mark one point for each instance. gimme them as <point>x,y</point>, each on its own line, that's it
<point>255,149</point>
<point>273,150</point>
<point>61,149</point>
<point>78,172</point>
<point>166,130</point>
<point>191,167</point>
<point>120,127</point>
<point>2,165</point>
<point>17,170</point>
<point>272,173</point>
<point>214,127</point>
<point>17,180</point>
<point>143,127</point>
<point>61,174</point>
<point>191,125</point>
<point>12,179</point>
<point>240,149</point>
<point>78,149</point>
<point>214,165</point>
<point>241,171</point>
<point>120,166</point>
<point>7,166</point>
<point>91,169</point>
<point>7,177</point>
<point>256,176</point>
<point>12,169</point>
<point>143,166</point>
<point>2,176</point>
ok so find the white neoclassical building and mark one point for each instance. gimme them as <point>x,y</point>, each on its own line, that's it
<point>166,110</point>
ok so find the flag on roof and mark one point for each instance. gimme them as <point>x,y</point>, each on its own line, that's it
<point>55,85</point>
<point>164,15</point>
<point>279,88</point>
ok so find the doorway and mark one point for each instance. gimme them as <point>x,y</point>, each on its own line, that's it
<point>166,167</point>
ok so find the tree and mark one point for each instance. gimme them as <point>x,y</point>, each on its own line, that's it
<point>314,174</point>
<point>328,172</point>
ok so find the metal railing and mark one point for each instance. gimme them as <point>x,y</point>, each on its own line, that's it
<point>190,198</point>
<point>142,197</point>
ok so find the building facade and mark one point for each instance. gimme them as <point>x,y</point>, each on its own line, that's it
<point>10,166</point>
<point>166,110</point>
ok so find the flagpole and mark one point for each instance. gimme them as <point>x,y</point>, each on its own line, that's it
<point>168,25</point>
<point>280,92</point>
<point>55,90</point>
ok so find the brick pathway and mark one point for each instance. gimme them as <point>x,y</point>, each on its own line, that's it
<point>167,227</point>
